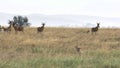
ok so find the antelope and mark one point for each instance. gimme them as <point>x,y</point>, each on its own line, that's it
<point>95,29</point>
<point>78,49</point>
<point>8,29</point>
<point>17,27</point>
<point>0,28</point>
<point>40,29</point>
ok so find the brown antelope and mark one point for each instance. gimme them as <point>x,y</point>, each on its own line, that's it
<point>0,28</point>
<point>17,27</point>
<point>40,29</point>
<point>95,29</point>
<point>78,49</point>
<point>7,29</point>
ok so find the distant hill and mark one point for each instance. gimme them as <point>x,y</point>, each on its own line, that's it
<point>65,20</point>
<point>73,20</point>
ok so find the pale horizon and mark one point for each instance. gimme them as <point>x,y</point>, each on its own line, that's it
<point>102,8</point>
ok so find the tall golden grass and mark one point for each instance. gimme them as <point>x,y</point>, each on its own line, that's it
<point>55,48</point>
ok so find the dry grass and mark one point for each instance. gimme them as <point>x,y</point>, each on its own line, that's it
<point>55,48</point>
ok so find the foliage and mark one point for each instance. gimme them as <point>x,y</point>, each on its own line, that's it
<point>21,21</point>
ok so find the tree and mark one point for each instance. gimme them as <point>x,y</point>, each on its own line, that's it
<point>21,21</point>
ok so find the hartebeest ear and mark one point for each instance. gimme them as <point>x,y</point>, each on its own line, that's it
<point>98,23</point>
<point>43,23</point>
<point>8,21</point>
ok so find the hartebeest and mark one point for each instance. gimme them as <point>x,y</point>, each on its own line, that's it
<point>7,29</point>
<point>78,49</point>
<point>40,29</point>
<point>17,27</point>
<point>95,29</point>
<point>0,28</point>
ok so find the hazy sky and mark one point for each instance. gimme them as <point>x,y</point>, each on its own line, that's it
<point>104,8</point>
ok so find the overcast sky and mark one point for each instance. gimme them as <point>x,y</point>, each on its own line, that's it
<point>104,8</point>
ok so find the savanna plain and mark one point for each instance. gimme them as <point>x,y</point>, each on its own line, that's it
<point>55,48</point>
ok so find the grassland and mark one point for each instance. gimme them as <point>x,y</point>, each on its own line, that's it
<point>55,48</point>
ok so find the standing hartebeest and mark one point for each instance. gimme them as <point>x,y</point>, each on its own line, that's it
<point>40,29</point>
<point>0,28</point>
<point>78,49</point>
<point>95,29</point>
<point>17,27</point>
<point>8,29</point>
